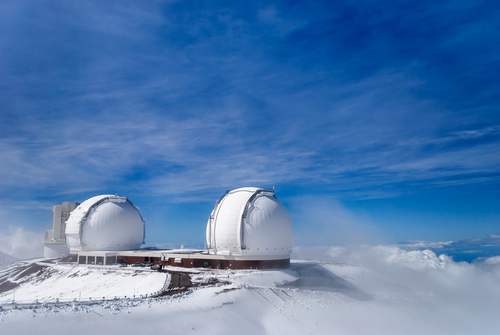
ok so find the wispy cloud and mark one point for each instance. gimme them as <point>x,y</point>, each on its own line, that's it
<point>185,100</point>
<point>323,220</point>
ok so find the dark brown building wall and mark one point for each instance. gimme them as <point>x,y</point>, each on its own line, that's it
<point>209,263</point>
<point>233,264</point>
<point>239,265</point>
<point>131,259</point>
<point>185,262</point>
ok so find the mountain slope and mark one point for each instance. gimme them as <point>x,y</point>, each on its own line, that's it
<point>397,296</point>
<point>6,260</point>
<point>43,280</point>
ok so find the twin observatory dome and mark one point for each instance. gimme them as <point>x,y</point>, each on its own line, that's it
<point>248,228</point>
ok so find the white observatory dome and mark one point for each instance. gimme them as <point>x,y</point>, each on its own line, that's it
<point>249,221</point>
<point>105,222</point>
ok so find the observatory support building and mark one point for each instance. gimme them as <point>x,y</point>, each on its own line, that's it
<point>248,228</point>
<point>55,238</point>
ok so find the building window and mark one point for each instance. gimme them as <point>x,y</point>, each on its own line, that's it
<point>110,260</point>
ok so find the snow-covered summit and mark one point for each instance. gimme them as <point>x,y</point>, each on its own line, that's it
<point>391,293</point>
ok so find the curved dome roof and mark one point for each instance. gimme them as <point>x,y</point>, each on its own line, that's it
<point>105,222</point>
<point>249,221</point>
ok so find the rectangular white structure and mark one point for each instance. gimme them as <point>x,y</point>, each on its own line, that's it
<point>55,238</point>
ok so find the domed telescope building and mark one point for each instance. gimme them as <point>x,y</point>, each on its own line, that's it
<point>105,222</point>
<point>247,229</point>
<point>251,225</point>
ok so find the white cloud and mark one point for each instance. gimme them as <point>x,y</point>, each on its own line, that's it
<point>492,260</point>
<point>416,259</point>
<point>476,133</point>
<point>334,253</point>
<point>426,244</point>
<point>323,220</point>
<point>20,243</point>
<point>476,285</point>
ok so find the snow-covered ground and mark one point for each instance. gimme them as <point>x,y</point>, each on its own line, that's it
<point>380,290</point>
<point>44,281</point>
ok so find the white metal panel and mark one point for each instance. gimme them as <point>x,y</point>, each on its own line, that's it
<point>55,250</point>
<point>73,242</point>
<point>73,228</point>
<point>114,224</point>
<point>267,226</point>
<point>227,221</point>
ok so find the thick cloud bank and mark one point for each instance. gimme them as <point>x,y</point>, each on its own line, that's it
<point>380,290</point>
<point>464,250</point>
<point>472,290</point>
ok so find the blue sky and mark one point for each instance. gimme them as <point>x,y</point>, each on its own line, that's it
<point>373,120</point>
